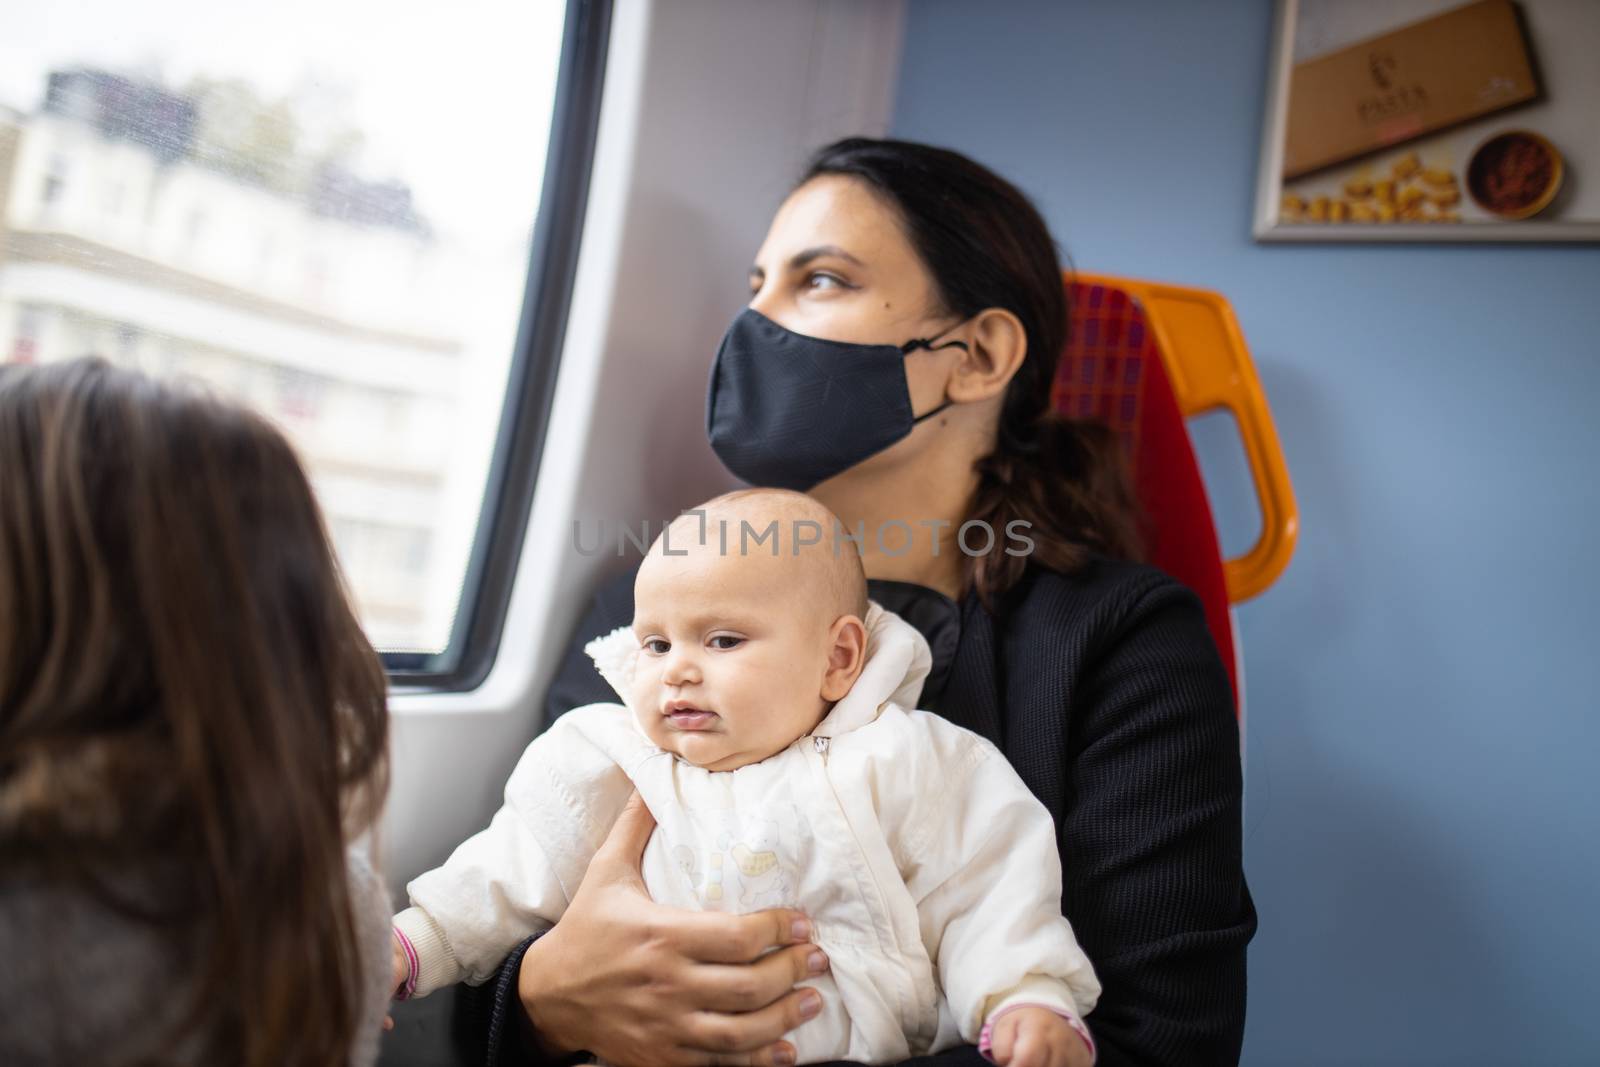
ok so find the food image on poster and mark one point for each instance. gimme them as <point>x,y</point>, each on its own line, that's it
<point>1515,174</point>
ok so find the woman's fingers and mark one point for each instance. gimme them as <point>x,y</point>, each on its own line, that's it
<point>712,937</point>
<point>752,986</point>
<point>665,980</point>
<point>781,1054</point>
<point>716,1034</point>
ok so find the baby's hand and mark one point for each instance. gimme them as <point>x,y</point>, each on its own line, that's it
<point>1037,1037</point>
<point>400,967</point>
<point>399,971</point>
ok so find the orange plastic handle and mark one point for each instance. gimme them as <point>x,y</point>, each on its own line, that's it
<point>1210,368</point>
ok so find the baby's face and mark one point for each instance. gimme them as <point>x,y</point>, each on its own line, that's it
<point>734,651</point>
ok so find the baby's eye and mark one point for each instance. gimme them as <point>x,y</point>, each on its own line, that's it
<point>657,646</point>
<point>723,642</point>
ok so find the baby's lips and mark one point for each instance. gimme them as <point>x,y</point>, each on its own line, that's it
<point>689,718</point>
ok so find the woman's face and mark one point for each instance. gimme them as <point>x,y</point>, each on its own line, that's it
<point>836,264</point>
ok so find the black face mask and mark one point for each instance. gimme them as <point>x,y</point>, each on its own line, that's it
<point>791,411</point>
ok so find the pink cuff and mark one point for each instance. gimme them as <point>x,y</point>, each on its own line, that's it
<point>985,1038</point>
<point>408,988</point>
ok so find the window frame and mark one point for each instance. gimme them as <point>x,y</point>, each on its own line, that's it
<point>476,633</point>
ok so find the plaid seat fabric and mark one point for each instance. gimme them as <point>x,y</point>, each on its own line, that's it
<point>1102,370</point>
<point>1112,371</point>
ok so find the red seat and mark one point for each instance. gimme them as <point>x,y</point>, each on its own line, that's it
<point>1117,368</point>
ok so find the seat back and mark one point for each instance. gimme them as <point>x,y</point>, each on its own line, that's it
<point>1141,357</point>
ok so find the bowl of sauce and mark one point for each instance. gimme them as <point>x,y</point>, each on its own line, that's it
<point>1514,174</point>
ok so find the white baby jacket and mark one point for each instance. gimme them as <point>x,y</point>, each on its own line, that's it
<point>923,861</point>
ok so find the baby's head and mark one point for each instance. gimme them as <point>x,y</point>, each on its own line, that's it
<point>742,652</point>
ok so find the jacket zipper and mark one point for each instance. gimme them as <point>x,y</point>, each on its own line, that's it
<point>820,746</point>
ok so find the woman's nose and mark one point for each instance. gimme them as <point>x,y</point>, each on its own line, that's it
<point>765,301</point>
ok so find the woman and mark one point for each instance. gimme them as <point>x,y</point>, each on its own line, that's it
<point>192,727</point>
<point>1095,675</point>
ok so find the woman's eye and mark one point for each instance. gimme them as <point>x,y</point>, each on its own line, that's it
<point>724,642</point>
<point>657,647</point>
<point>822,280</point>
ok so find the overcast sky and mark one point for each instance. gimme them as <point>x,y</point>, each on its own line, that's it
<point>455,105</point>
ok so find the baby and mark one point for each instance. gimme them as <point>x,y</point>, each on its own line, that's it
<point>768,729</point>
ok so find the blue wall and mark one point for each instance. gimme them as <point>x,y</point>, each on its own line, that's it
<point>1423,819</point>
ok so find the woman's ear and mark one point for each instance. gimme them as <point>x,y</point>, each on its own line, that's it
<point>996,345</point>
<point>847,654</point>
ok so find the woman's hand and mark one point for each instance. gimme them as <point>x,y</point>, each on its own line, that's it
<point>1038,1037</point>
<point>636,982</point>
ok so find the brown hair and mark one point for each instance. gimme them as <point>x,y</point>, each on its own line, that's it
<point>987,247</point>
<point>184,688</point>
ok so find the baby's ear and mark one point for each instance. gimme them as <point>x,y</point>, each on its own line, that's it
<point>847,654</point>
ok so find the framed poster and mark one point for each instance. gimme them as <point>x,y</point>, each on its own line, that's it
<point>1432,120</point>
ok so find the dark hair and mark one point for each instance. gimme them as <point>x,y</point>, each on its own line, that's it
<point>185,691</point>
<point>986,246</point>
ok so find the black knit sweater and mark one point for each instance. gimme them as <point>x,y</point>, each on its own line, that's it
<point>1105,691</point>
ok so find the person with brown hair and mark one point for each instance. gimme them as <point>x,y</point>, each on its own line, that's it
<point>905,322</point>
<point>193,731</point>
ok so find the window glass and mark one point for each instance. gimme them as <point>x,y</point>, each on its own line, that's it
<point>322,209</point>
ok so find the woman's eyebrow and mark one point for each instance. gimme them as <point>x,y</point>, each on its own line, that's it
<point>800,259</point>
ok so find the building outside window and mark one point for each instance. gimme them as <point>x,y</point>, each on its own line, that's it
<point>336,235</point>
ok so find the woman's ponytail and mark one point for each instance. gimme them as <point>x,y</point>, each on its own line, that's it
<point>1062,485</point>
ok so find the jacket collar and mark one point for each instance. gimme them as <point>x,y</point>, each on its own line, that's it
<point>973,697</point>
<point>898,662</point>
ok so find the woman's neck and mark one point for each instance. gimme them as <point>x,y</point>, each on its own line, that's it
<point>907,520</point>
